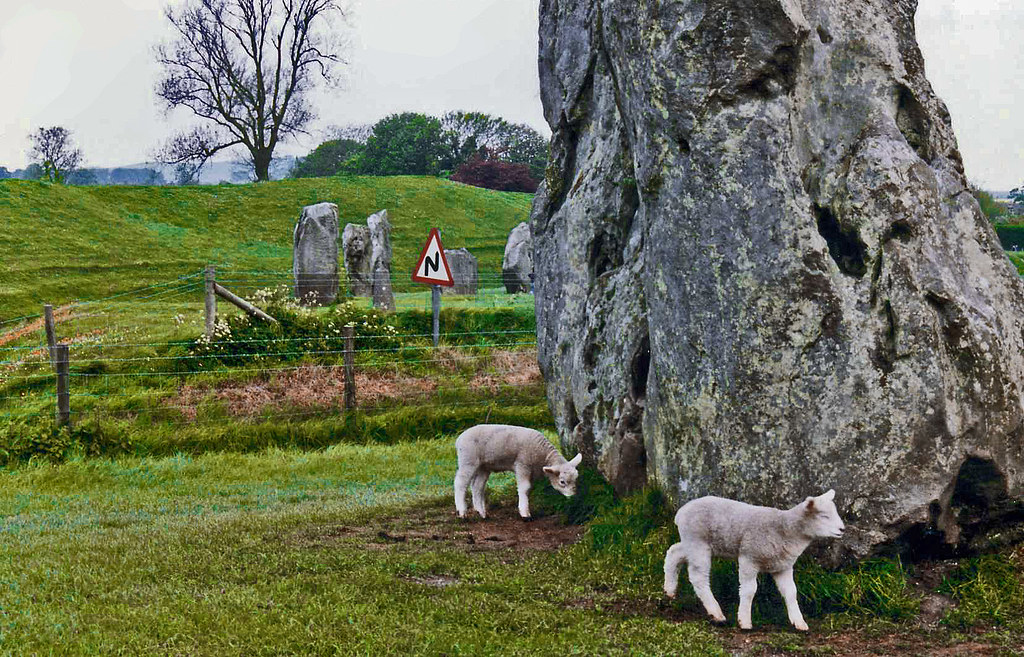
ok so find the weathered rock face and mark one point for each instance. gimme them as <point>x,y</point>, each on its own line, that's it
<point>517,264</point>
<point>355,244</point>
<point>462,263</point>
<point>315,259</point>
<point>380,260</point>
<point>760,273</point>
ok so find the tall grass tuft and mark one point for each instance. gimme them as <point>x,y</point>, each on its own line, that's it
<point>875,587</point>
<point>988,590</point>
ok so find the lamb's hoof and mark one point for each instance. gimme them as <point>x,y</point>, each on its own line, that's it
<point>670,595</point>
<point>526,518</point>
<point>720,620</point>
<point>802,627</point>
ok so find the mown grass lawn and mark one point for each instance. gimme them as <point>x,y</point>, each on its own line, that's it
<point>243,555</point>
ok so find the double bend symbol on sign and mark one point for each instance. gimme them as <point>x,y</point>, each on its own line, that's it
<point>432,267</point>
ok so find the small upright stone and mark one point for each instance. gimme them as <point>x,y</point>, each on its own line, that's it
<point>380,260</point>
<point>315,263</point>
<point>517,265</point>
<point>355,244</point>
<point>464,271</point>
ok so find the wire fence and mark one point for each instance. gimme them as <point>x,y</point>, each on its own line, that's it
<point>139,356</point>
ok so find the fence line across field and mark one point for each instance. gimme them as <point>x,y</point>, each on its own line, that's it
<point>68,333</point>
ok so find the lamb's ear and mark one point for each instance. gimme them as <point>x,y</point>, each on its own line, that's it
<point>829,495</point>
<point>550,469</point>
<point>576,460</point>
<point>810,505</point>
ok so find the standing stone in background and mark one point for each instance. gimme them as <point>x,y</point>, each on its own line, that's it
<point>355,244</point>
<point>315,258</point>
<point>380,260</point>
<point>517,265</point>
<point>761,273</point>
<point>464,272</point>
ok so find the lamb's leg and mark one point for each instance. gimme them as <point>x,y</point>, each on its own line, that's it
<point>699,572</point>
<point>748,587</point>
<point>462,477</point>
<point>674,560</point>
<point>787,587</point>
<point>523,485</point>
<point>478,485</point>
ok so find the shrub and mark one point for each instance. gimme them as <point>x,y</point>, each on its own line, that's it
<point>481,171</point>
<point>301,333</point>
<point>26,441</point>
<point>1011,236</point>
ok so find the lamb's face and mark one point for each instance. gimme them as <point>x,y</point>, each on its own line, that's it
<point>563,477</point>
<point>824,520</point>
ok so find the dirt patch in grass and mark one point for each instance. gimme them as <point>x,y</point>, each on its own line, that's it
<point>436,527</point>
<point>61,314</point>
<point>857,643</point>
<point>319,386</point>
<point>509,368</point>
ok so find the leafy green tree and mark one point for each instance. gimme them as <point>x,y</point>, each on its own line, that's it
<point>465,133</point>
<point>328,159</point>
<point>404,144</point>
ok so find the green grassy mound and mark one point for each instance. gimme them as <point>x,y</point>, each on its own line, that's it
<point>64,243</point>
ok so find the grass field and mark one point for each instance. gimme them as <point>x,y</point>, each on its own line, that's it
<point>355,550</point>
<point>286,553</point>
<point>222,502</point>
<point>62,243</point>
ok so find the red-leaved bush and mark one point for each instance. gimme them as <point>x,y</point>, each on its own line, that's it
<point>480,171</point>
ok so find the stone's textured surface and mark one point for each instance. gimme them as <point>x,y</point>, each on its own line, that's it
<point>355,244</point>
<point>315,257</point>
<point>757,257</point>
<point>464,272</point>
<point>517,264</point>
<point>380,260</point>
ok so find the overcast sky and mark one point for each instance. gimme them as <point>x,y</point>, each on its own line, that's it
<point>88,65</point>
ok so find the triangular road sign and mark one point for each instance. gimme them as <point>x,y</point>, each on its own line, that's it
<point>432,267</point>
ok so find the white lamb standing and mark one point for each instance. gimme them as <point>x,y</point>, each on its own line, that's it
<point>761,539</point>
<point>488,448</point>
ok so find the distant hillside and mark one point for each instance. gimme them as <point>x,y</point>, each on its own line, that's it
<point>62,243</point>
<point>212,173</point>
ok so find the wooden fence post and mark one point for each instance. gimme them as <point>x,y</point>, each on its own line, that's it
<point>435,302</point>
<point>62,363</point>
<point>350,378</point>
<point>51,334</point>
<point>227,294</point>
<point>211,300</point>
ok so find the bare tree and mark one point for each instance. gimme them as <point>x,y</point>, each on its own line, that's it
<point>54,150</point>
<point>246,67</point>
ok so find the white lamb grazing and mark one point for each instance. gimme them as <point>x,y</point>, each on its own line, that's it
<point>761,539</point>
<point>488,448</point>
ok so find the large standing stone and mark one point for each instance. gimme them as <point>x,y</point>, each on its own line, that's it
<point>380,260</point>
<point>760,270</point>
<point>315,259</point>
<point>517,264</point>
<point>464,272</point>
<point>355,244</point>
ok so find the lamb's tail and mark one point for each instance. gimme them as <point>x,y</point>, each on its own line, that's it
<point>674,560</point>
